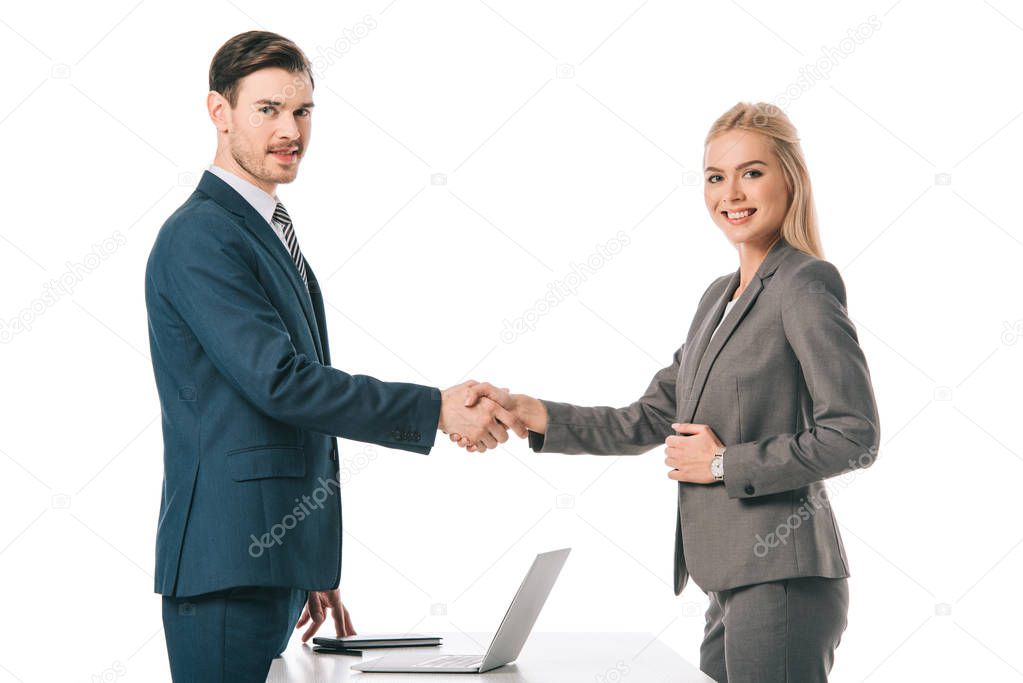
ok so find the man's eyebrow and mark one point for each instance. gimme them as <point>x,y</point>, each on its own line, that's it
<point>740,166</point>
<point>278,103</point>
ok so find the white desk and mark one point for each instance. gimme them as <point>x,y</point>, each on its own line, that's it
<point>546,658</point>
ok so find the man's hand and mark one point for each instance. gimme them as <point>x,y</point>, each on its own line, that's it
<point>530,412</point>
<point>484,423</point>
<point>315,614</point>
<point>690,452</point>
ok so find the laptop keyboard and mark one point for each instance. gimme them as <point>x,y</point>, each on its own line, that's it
<point>457,661</point>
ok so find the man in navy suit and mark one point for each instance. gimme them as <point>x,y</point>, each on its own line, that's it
<point>250,515</point>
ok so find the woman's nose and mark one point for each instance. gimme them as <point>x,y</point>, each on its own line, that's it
<point>734,193</point>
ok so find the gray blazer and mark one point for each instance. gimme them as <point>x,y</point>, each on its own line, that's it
<point>784,385</point>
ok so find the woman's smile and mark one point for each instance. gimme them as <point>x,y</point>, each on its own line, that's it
<point>739,216</point>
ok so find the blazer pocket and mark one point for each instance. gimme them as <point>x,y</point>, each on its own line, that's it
<point>264,462</point>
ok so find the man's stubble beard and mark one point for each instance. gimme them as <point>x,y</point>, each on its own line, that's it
<point>258,166</point>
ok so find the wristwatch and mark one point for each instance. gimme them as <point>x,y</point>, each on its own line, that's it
<point>717,464</point>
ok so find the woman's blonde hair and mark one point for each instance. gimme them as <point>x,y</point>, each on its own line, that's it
<point>800,225</point>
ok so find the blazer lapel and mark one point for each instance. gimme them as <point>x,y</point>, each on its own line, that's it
<point>225,195</point>
<point>703,335</point>
<point>316,294</point>
<point>708,344</point>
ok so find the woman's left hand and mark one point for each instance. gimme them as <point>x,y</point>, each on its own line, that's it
<point>690,452</point>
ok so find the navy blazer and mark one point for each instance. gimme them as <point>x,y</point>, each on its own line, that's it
<point>251,406</point>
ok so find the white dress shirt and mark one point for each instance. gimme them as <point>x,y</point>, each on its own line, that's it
<point>728,307</point>
<point>264,204</point>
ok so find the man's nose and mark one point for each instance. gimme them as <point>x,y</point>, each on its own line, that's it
<point>287,127</point>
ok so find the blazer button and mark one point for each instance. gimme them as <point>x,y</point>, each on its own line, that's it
<point>396,435</point>
<point>749,489</point>
<point>416,436</point>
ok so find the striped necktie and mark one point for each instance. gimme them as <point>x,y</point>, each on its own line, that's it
<point>283,220</point>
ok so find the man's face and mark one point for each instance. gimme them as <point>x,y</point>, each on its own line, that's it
<point>271,124</point>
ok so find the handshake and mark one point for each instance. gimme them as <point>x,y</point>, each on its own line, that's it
<point>477,416</point>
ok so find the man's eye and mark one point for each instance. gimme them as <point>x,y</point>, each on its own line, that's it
<point>264,109</point>
<point>303,112</point>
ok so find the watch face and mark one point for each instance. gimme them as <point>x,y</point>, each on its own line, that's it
<point>716,466</point>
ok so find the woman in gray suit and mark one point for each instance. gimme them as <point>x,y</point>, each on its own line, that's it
<point>769,395</point>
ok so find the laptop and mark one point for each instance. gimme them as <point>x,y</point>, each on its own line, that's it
<point>507,642</point>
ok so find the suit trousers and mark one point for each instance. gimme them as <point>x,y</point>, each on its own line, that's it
<point>776,632</point>
<point>229,636</point>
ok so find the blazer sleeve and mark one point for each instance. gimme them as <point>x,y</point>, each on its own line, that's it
<point>207,272</point>
<point>845,432</point>
<point>603,430</point>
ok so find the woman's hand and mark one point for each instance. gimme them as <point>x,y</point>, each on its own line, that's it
<point>315,613</point>
<point>690,452</point>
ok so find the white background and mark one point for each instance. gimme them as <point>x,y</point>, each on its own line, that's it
<point>554,126</point>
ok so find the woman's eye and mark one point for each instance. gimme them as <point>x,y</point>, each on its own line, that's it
<point>756,173</point>
<point>713,179</point>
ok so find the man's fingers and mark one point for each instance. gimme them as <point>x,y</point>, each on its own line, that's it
<point>339,623</point>
<point>461,440</point>
<point>315,608</point>
<point>338,612</point>
<point>349,628</point>
<point>311,631</point>
<point>315,605</point>
<point>304,618</point>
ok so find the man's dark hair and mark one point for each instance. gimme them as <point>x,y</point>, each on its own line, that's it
<point>251,51</point>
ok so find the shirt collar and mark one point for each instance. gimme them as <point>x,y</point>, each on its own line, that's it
<point>263,203</point>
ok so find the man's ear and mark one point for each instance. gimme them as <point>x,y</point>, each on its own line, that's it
<point>218,108</point>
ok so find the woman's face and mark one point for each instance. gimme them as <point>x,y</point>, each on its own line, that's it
<point>744,187</point>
